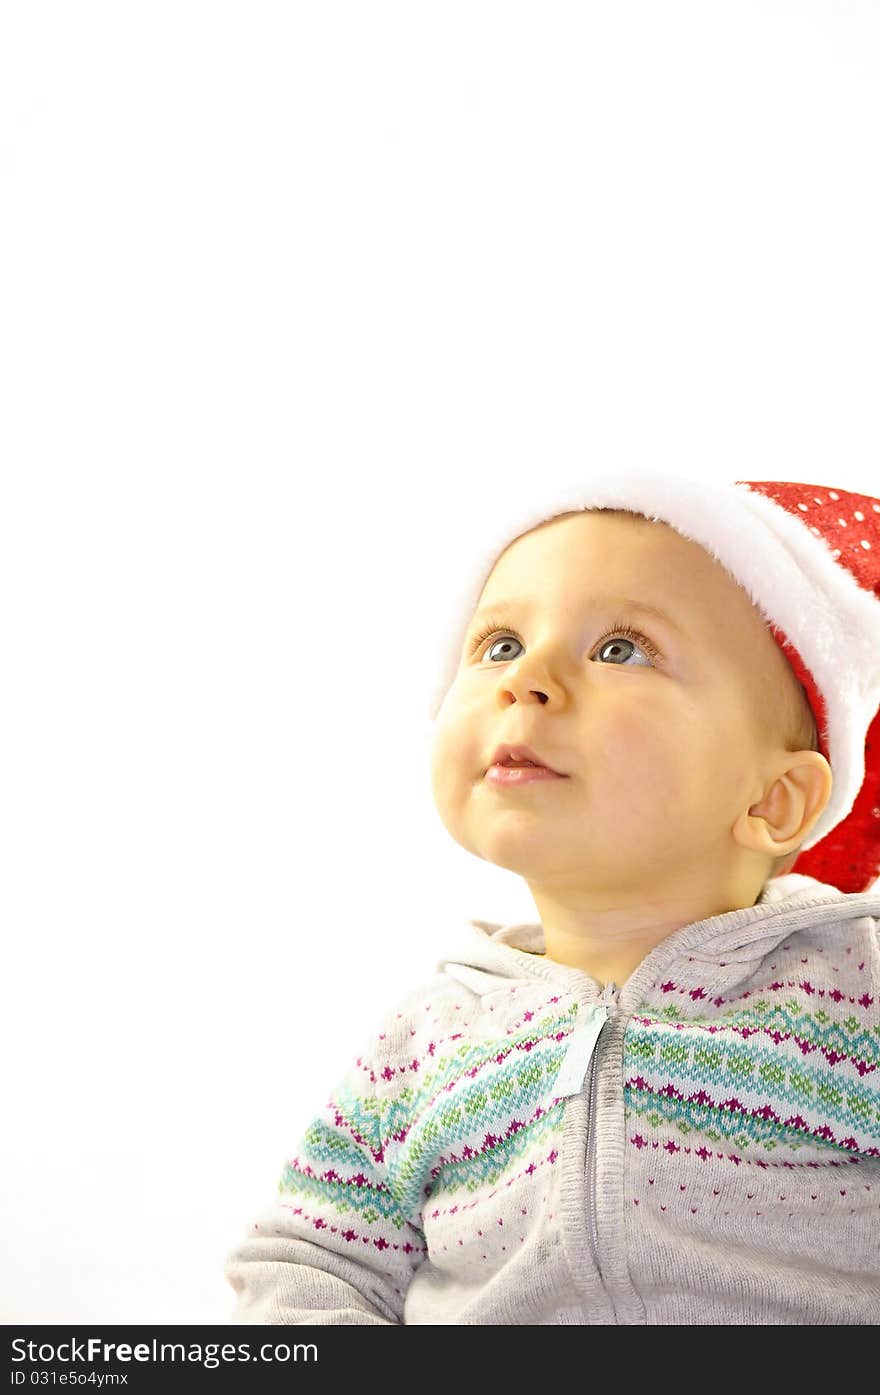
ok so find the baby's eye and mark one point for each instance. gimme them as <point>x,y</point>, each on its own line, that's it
<point>604,646</point>
<point>611,644</point>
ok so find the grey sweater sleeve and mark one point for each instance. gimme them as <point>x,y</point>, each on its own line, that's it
<point>335,1246</point>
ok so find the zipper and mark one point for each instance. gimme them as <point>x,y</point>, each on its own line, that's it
<point>608,1000</point>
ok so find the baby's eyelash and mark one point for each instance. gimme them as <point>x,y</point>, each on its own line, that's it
<point>488,629</point>
<point>494,629</point>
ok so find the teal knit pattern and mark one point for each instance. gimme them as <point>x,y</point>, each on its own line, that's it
<point>473,1112</point>
<point>782,1072</point>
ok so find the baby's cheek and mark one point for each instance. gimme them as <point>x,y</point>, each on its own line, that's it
<point>442,762</point>
<point>455,757</point>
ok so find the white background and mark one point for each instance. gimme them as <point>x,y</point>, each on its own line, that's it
<point>291,295</point>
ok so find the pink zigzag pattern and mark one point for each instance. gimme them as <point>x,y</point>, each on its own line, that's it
<point>806,1047</point>
<point>496,1058</point>
<point>480,1201</point>
<point>352,1236</point>
<point>705,1154</point>
<point>833,993</point>
<point>765,1112</point>
<point>491,1141</point>
<point>416,1064</point>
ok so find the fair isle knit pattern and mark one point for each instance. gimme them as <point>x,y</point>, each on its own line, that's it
<point>776,1073</point>
<point>461,1117</point>
<point>441,1127</point>
<point>719,1161</point>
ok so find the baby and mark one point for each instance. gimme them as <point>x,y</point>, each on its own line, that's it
<point>660,1103</point>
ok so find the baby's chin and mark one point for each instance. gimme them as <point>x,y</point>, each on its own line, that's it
<point>528,847</point>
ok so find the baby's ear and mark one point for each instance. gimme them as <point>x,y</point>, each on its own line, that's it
<point>793,801</point>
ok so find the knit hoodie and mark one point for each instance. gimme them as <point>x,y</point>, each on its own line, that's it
<point>518,1145</point>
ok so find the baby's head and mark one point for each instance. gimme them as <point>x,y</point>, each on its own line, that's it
<point>688,749</point>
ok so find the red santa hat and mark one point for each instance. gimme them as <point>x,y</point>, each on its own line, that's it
<point>809,558</point>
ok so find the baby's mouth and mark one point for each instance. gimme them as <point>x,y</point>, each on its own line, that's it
<point>516,756</point>
<point>507,774</point>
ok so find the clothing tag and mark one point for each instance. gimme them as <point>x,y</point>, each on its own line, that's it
<point>581,1043</point>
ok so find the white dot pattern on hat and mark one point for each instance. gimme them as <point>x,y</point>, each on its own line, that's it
<point>859,545</point>
<point>858,516</point>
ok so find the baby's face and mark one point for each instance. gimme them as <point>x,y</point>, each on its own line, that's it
<point>660,738</point>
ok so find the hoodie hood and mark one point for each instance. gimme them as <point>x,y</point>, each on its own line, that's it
<point>714,954</point>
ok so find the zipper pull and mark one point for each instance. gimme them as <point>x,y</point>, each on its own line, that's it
<point>581,1044</point>
<point>610,994</point>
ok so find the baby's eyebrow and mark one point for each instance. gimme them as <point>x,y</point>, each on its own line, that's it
<point>506,607</point>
